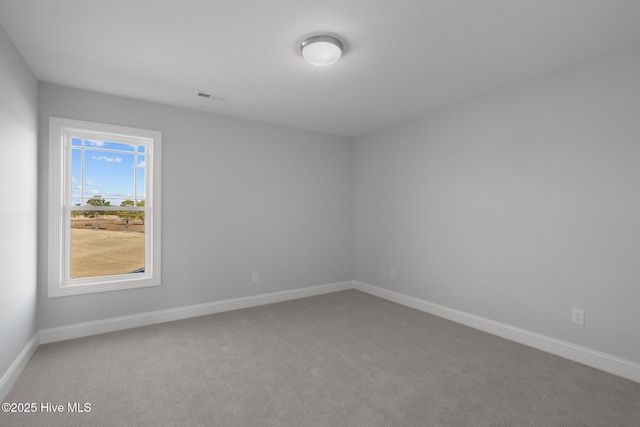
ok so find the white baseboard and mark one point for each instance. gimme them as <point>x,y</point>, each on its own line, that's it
<point>126,322</point>
<point>9,378</point>
<point>605,362</point>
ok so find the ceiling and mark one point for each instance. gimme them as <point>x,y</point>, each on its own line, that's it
<point>403,58</point>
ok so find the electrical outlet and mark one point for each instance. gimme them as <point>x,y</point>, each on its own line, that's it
<point>255,278</point>
<point>577,316</point>
<point>392,273</point>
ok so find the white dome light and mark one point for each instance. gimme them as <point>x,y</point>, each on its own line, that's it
<point>321,50</point>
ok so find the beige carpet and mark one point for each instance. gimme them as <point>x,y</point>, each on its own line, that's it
<point>342,359</point>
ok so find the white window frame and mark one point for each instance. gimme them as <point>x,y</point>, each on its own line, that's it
<point>60,206</point>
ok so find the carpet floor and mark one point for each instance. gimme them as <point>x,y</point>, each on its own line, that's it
<point>340,359</point>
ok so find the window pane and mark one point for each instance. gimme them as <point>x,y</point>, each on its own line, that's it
<point>106,245</point>
<point>108,145</point>
<point>117,201</point>
<point>140,177</point>
<point>76,214</point>
<point>76,173</point>
<point>108,174</point>
<point>76,142</point>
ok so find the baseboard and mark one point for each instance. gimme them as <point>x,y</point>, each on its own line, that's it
<point>593,358</point>
<point>126,322</point>
<point>605,362</point>
<point>9,378</point>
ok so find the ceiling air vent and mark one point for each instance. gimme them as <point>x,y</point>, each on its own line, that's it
<point>213,97</point>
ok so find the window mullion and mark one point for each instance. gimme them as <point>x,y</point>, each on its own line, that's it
<point>82,172</point>
<point>135,176</point>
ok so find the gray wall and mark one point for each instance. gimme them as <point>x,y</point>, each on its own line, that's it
<point>515,206</point>
<point>238,196</point>
<point>18,178</point>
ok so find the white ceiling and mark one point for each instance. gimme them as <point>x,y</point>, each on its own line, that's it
<point>403,57</point>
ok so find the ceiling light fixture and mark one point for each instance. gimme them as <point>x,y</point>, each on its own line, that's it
<point>321,50</point>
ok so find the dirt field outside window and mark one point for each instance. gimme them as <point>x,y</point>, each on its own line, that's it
<point>104,248</point>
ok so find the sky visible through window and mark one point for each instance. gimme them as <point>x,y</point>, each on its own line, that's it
<point>114,171</point>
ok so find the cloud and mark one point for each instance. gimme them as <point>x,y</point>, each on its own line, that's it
<point>141,164</point>
<point>94,143</point>
<point>73,179</point>
<point>107,159</point>
<point>87,182</point>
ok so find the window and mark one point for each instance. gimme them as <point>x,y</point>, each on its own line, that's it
<point>104,207</point>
